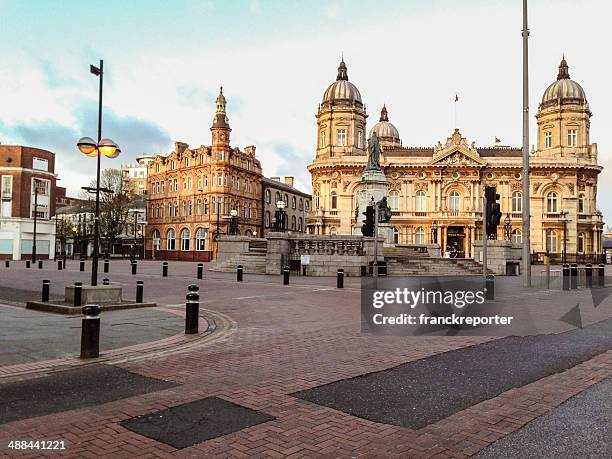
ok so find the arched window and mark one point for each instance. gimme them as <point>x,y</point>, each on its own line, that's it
<point>517,201</point>
<point>156,240</point>
<point>293,202</point>
<point>185,239</point>
<point>334,200</point>
<point>171,239</point>
<point>580,242</point>
<point>267,219</point>
<point>419,236</point>
<point>517,236</point>
<point>301,204</point>
<point>317,200</point>
<point>454,201</point>
<point>268,196</point>
<point>420,201</point>
<point>395,235</point>
<point>189,208</point>
<point>307,206</point>
<point>300,228</point>
<point>332,231</point>
<point>293,223</point>
<point>394,200</point>
<point>551,241</point>
<point>205,207</point>
<point>277,197</point>
<point>286,200</point>
<point>552,202</point>
<point>249,211</point>
<point>248,233</point>
<point>201,236</point>
<point>581,204</point>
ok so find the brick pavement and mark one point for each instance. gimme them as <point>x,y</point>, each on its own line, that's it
<point>287,341</point>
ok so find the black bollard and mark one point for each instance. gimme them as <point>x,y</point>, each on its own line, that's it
<point>78,291</point>
<point>27,263</point>
<point>490,287</point>
<point>566,276</point>
<point>139,291</point>
<point>40,264</point>
<point>239,271</point>
<point>7,264</point>
<point>106,265</point>
<point>574,276</point>
<point>134,266</point>
<point>60,265</point>
<point>45,290</point>
<point>90,331</point>
<point>64,262</point>
<point>200,270</point>
<point>192,310</point>
<point>105,281</point>
<point>286,275</point>
<point>82,265</point>
<point>588,271</point>
<point>165,269</point>
<point>601,273</point>
<point>340,278</point>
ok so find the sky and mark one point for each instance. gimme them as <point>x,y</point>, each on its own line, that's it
<point>165,60</point>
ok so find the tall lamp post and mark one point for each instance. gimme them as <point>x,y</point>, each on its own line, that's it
<point>233,222</point>
<point>434,233</point>
<point>35,219</point>
<point>280,215</point>
<point>565,221</point>
<point>507,227</point>
<point>93,149</point>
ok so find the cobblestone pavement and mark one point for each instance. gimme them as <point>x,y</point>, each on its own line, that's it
<point>285,339</point>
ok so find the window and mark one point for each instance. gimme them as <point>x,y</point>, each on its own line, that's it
<point>184,208</point>
<point>341,137</point>
<point>581,204</point>
<point>300,224</point>
<point>190,183</point>
<point>6,196</point>
<point>249,211</point>
<point>173,165</point>
<point>395,235</point>
<point>301,204</point>
<point>332,231</point>
<point>421,201</point>
<point>322,139</point>
<point>293,202</point>
<point>277,197</point>
<point>307,206</point>
<point>580,242</point>
<point>268,196</point>
<point>552,203</point>
<point>171,240</point>
<point>205,207</point>
<point>517,237</point>
<point>185,239</point>
<point>394,200</point>
<point>572,137</point>
<point>189,208</point>
<point>157,168</point>
<point>454,201</point>
<point>175,184</point>
<point>517,201</point>
<point>156,240</point>
<point>187,162</point>
<point>163,187</point>
<point>359,139</point>
<point>293,223</point>
<point>334,200</point>
<point>551,241</point>
<point>201,236</point>
<point>267,219</point>
<point>213,207</point>
<point>419,236</point>
<point>548,139</point>
<point>219,180</point>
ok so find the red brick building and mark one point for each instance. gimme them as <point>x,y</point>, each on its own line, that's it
<point>22,171</point>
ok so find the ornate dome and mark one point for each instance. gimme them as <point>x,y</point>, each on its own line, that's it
<point>342,90</point>
<point>385,131</point>
<point>564,90</point>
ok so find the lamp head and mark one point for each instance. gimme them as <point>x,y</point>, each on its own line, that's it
<point>233,212</point>
<point>87,146</point>
<point>280,204</point>
<point>108,147</point>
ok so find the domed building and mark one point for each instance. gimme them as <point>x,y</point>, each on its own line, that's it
<point>435,193</point>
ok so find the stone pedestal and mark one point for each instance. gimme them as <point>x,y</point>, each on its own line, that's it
<point>278,252</point>
<point>500,254</point>
<point>385,231</point>
<point>372,184</point>
<point>100,294</point>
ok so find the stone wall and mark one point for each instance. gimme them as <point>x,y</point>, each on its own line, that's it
<point>499,253</point>
<point>230,246</point>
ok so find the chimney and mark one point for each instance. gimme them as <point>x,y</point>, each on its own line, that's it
<point>276,179</point>
<point>250,150</point>
<point>289,181</point>
<point>180,147</point>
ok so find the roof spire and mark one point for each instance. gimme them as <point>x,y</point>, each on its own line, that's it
<point>563,70</point>
<point>342,74</point>
<point>383,114</point>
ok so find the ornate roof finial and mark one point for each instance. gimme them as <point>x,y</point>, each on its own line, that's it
<point>221,90</point>
<point>563,70</point>
<point>383,114</point>
<point>342,74</point>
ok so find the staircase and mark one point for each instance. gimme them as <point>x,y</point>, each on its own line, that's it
<point>410,261</point>
<point>253,261</point>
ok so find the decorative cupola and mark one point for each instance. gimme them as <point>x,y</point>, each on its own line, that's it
<point>220,127</point>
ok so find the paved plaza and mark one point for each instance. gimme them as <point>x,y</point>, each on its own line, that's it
<point>285,371</point>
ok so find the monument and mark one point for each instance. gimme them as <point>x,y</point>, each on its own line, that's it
<point>373,186</point>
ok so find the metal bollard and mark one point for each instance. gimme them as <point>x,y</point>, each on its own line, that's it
<point>490,287</point>
<point>7,264</point>
<point>40,264</point>
<point>60,265</point>
<point>27,263</point>
<point>139,291</point>
<point>340,278</point>
<point>134,266</point>
<point>574,276</point>
<point>82,265</point>
<point>601,273</point>
<point>90,331</point>
<point>589,275</point>
<point>64,262</point>
<point>286,275</point>
<point>566,276</point>
<point>45,290</point>
<point>165,269</point>
<point>364,271</point>
<point>239,271</point>
<point>106,265</point>
<point>200,270</point>
<point>192,310</point>
<point>78,292</point>
<point>105,282</point>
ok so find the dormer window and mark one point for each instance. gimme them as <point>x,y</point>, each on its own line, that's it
<point>548,139</point>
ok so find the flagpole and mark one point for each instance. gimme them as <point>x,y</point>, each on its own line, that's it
<point>526,210</point>
<point>456,99</point>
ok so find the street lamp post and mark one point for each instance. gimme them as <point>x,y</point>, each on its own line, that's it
<point>280,215</point>
<point>507,227</point>
<point>93,149</point>
<point>434,233</point>
<point>565,221</point>
<point>35,220</point>
<point>233,222</point>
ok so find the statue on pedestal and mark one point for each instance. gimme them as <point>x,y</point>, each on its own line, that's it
<point>374,151</point>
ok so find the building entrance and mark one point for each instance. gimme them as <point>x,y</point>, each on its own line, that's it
<point>455,241</point>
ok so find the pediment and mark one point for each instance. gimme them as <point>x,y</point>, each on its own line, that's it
<point>457,157</point>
